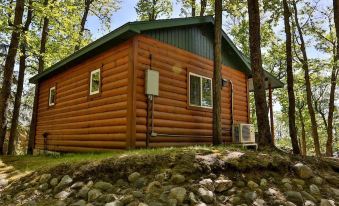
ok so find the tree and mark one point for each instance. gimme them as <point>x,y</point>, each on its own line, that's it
<point>264,133</point>
<point>102,9</point>
<point>20,83</point>
<point>290,81</point>
<point>153,9</point>
<point>41,64</point>
<point>8,69</point>
<point>305,66</point>
<point>217,134</point>
<point>334,76</point>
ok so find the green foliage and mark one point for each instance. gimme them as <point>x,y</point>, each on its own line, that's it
<point>153,9</point>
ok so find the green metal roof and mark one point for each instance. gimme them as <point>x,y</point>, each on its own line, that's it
<point>130,29</point>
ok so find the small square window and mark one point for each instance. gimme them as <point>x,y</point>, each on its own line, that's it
<point>94,87</point>
<point>52,96</point>
<point>200,91</point>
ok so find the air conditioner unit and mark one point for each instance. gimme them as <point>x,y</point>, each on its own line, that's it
<point>243,133</point>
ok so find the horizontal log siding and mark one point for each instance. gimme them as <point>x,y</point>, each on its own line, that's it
<point>78,123</point>
<point>172,115</point>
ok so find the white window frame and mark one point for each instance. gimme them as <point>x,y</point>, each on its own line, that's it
<point>189,90</point>
<point>50,95</point>
<point>90,82</point>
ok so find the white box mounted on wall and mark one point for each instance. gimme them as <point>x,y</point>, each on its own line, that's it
<point>152,82</point>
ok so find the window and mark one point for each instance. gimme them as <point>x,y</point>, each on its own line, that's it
<point>52,96</point>
<point>94,85</point>
<point>200,91</point>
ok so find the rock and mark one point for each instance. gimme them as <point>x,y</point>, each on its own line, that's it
<point>77,185</point>
<point>54,182</point>
<point>127,199</point>
<point>263,182</point>
<point>133,177</point>
<point>259,202</point>
<point>206,195</point>
<point>93,194</point>
<point>288,203</point>
<point>140,182</point>
<point>298,182</point>
<point>288,186</point>
<point>240,183</point>
<point>193,200</point>
<point>66,180</point>
<point>335,191</point>
<point>222,185</point>
<point>60,203</point>
<point>137,194</point>
<point>325,202</point>
<point>303,171</point>
<point>207,183</point>
<point>307,196</point>
<point>178,179</point>
<point>154,188</point>
<point>178,193</point>
<point>252,185</point>
<point>115,203</point>
<point>309,203</point>
<point>172,202</point>
<point>104,186</point>
<point>250,196</point>
<point>295,197</point>
<point>314,189</point>
<point>317,180</point>
<point>3,182</point>
<point>83,192</point>
<point>142,204</point>
<point>286,180</point>
<point>79,203</point>
<point>62,195</point>
<point>43,187</point>
<point>161,177</point>
<point>45,178</point>
<point>235,200</point>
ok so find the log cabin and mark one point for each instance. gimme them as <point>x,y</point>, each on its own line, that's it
<point>145,84</point>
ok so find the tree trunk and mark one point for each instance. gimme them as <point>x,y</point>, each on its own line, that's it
<point>203,4</point>
<point>217,75</point>
<point>20,84</point>
<point>193,8</point>
<point>303,134</point>
<point>334,76</point>
<point>8,69</point>
<point>83,22</point>
<point>264,133</point>
<point>44,35</point>
<point>290,80</point>
<point>305,67</point>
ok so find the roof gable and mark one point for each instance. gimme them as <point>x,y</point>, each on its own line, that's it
<point>181,32</point>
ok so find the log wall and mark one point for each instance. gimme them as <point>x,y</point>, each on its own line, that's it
<point>79,122</point>
<point>175,122</point>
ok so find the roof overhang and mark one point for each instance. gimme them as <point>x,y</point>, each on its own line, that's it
<point>270,81</point>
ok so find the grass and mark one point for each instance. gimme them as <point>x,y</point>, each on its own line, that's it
<point>25,163</point>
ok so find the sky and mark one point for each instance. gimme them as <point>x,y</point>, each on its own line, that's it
<point>125,14</point>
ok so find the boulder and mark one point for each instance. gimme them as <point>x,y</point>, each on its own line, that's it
<point>308,196</point>
<point>77,185</point>
<point>303,171</point>
<point>206,195</point>
<point>325,202</point>
<point>222,185</point>
<point>309,203</point>
<point>314,189</point>
<point>62,195</point>
<point>45,178</point>
<point>295,197</point>
<point>65,180</point>
<point>43,187</point>
<point>79,203</point>
<point>193,200</point>
<point>250,196</point>
<point>178,179</point>
<point>317,180</point>
<point>54,182</point>
<point>252,185</point>
<point>207,183</point>
<point>104,186</point>
<point>93,194</point>
<point>114,203</point>
<point>178,193</point>
<point>263,182</point>
<point>133,177</point>
<point>83,192</point>
<point>154,188</point>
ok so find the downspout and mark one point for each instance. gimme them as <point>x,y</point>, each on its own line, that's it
<point>232,107</point>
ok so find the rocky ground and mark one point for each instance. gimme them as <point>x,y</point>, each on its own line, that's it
<point>186,176</point>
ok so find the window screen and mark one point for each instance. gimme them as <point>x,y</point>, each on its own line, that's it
<point>95,82</point>
<point>200,90</point>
